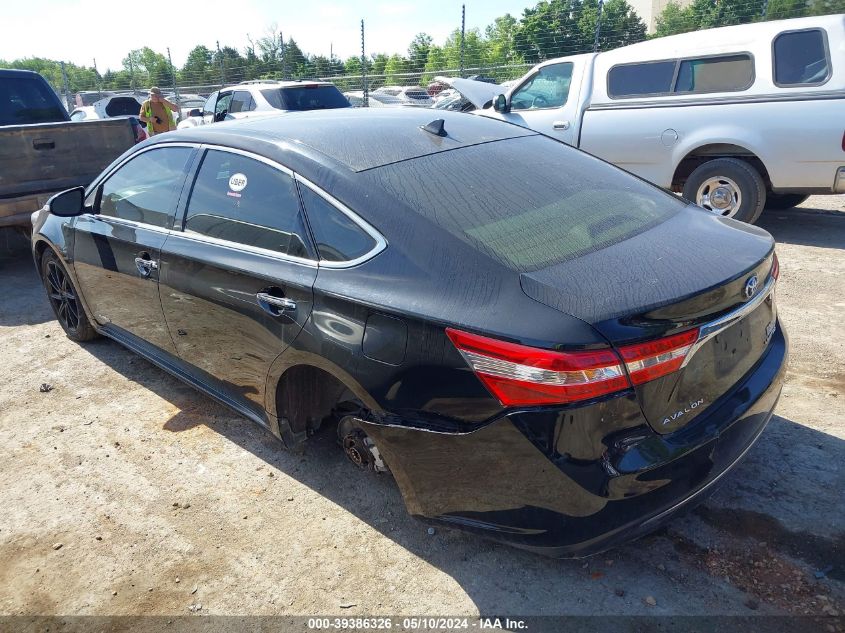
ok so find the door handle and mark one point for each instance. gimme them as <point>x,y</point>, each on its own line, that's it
<point>275,305</point>
<point>560,125</point>
<point>145,265</point>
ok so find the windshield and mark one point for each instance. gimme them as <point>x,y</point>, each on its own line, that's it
<point>28,100</point>
<point>306,97</point>
<point>528,202</point>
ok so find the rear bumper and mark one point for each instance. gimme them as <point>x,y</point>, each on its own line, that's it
<point>572,482</point>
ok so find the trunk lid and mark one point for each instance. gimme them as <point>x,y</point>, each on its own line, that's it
<point>688,272</point>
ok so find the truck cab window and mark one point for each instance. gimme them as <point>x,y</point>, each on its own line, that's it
<point>548,88</point>
<point>636,80</point>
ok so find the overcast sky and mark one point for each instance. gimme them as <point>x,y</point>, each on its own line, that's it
<point>80,30</point>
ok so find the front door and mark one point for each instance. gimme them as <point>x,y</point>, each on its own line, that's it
<point>117,249</point>
<point>544,103</point>
<point>237,274</point>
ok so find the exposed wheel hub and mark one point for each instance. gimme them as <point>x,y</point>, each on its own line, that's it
<point>359,448</point>
<point>720,195</point>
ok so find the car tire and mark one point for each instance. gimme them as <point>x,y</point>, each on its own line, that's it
<point>64,299</point>
<point>780,201</point>
<point>728,186</point>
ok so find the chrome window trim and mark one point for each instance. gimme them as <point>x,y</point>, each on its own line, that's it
<point>381,241</point>
<point>717,326</point>
<point>110,219</point>
<point>108,174</point>
<point>243,248</point>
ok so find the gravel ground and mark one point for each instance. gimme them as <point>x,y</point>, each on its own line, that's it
<point>126,492</point>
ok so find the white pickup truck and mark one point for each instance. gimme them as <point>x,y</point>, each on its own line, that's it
<point>735,118</point>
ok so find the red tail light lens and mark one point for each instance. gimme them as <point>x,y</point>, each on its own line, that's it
<point>647,361</point>
<point>521,375</point>
<point>775,266</point>
<point>526,376</point>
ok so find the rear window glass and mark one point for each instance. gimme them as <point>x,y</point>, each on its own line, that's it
<point>715,74</point>
<point>306,97</point>
<point>123,106</point>
<point>28,100</point>
<point>551,203</point>
<point>633,80</point>
<point>801,58</point>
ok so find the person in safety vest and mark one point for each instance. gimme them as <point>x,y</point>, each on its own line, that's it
<point>156,112</point>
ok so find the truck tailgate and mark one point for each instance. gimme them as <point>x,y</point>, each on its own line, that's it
<point>50,157</point>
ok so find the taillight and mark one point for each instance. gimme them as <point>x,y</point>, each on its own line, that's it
<point>521,375</point>
<point>775,266</point>
<point>653,359</point>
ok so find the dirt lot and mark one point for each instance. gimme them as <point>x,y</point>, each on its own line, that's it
<point>124,491</point>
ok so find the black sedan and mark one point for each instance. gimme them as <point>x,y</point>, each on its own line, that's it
<point>541,348</point>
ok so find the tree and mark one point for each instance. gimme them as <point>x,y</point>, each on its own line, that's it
<point>198,68</point>
<point>418,52</point>
<point>674,19</point>
<point>501,46</point>
<point>436,64</point>
<point>550,30</point>
<point>620,25</point>
<point>396,70</point>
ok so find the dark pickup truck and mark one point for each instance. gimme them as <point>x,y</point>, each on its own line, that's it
<point>42,151</point>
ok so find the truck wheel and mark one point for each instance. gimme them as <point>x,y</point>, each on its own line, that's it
<point>729,187</point>
<point>64,299</point>
<point>781,201</point>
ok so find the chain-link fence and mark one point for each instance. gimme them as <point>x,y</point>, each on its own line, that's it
<point>501,51</point>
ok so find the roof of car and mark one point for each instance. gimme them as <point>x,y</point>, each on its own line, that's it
<point>355,138</point>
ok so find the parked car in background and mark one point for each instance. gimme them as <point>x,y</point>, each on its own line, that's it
<point>109,108</point>
<point>412,95</point>
<point>265,98</point>
<point>557,370</point>
<point>42,151</point>
<point>375,100</point>
<point>735,118</point>
<point>186,103</point>
<point>89,97</point>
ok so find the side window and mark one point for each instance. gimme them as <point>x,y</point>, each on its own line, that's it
<point>223,103</point>
<point>242,200</point>
<point>801,58</point>
<point>240,102</point>
<point>715,74</point>
<point>634,80</point>
<point>146,189</point>
<point>549,88</point>
<point>338,238</point>
<point>208,108</point>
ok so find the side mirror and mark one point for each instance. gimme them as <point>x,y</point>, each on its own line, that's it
<point>500,104</point>
<point>220,116</point>
<point>195,112</point>
<point>68,204</point>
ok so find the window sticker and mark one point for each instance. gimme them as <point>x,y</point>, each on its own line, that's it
<point>237,183</point>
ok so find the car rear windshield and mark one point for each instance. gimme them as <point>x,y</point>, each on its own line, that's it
<point>528,202</point>
<point>306,97</point>
<point>28,100</point>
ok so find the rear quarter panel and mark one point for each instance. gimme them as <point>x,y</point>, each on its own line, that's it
<point>798,141</point>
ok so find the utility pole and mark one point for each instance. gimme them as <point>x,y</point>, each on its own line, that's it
<point>463,35</point>
<point>598,27</point>
<point>222,67</point>
<point>66,88</point>
<point>173,77</point>
<point>284,57</point>
<point>364,70</point>
<point>131,73</point>
<point>99,80</point>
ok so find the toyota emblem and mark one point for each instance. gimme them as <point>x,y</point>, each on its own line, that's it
<point>750,286</point>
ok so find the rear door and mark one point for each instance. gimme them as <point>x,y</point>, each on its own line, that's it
<point>237,273</point>
<point>117,250</point>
